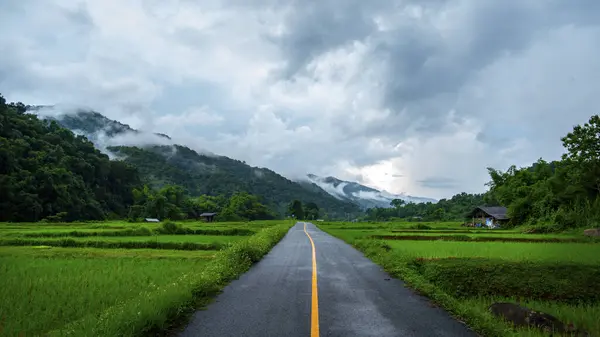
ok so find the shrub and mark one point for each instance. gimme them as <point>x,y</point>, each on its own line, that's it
<point>169,228</point>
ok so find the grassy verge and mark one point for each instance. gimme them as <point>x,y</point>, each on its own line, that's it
<point>154,311</point>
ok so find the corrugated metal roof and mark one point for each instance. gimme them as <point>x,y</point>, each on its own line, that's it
<point>497,212</point>
<point>208,214</point>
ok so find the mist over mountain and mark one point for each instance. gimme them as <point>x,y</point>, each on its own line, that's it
<point>365,196</point>
<point>99,129</point>
<point>161,162</point>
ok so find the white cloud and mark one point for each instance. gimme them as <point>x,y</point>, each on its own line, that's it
<point>434,92</point>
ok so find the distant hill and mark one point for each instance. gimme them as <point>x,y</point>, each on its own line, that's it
<point>161,162</point>
<point>365,196</point>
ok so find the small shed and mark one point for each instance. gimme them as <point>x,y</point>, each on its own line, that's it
<point>208,217</point>
<point>151,220</point>
<point>491,217</point>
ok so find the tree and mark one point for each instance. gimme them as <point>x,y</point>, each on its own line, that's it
<point>583,143</point>
<point>295,209</point>
<point>311,211</point>
<point>397,203</point>
<point>583,155</point>
<point>245,206</point>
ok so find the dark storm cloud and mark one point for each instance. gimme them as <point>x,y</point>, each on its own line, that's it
<point>426,66</point>
<point>316,26</point>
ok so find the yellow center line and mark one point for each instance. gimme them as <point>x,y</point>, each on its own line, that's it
<point>314,317</point>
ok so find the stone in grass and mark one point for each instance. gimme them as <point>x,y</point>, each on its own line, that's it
<point>525,317</point>
<point>592,232</point>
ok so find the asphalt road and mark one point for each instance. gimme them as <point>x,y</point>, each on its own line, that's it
<point>354,297</point>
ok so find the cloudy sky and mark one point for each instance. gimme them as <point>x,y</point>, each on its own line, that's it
<point>409,96</point>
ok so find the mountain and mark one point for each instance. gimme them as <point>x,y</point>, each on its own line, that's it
<point>161,162</point>
<point>95,126</point>
<point>365,196</point>
<point>48,173</point>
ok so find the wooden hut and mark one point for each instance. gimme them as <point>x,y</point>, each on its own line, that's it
<point>491,217</point>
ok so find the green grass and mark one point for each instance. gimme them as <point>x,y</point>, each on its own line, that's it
<point>154,244</point>
<point>56,291</point>
<point>571,283</point>
<point>52,252</point>
<point>581,316</point>
<point>39,294</point>
<point>154,311</point>
<point>158,238</point>
<point>474,234</point>
<point>480,238</point>
<point>544,252</point>
<point>466,277</point>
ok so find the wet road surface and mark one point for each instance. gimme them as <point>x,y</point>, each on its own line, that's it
<point>275,297</point>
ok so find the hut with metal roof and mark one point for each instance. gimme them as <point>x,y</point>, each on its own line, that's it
<point>208,217</point>
<point>492,217</point>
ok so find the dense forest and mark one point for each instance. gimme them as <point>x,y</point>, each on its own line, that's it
<point>551,196</point>
<point>172,202</point>
<point>217,175</point>
<point>46,172</point>
<point>555,195</point>
<point>454,208</point>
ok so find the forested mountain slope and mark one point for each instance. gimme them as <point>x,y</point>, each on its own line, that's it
<point>201,173</point>
<point>218,175</point>
<point>47,171</point>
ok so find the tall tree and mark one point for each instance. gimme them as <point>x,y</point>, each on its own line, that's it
<point>311,211</point>
<point>295,209</point>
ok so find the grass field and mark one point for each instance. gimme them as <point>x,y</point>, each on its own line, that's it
<point>466,277</point>
<point>157,238</point>
<point>82,291</point>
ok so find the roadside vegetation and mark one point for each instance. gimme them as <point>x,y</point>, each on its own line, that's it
<point>465,272</point>
<point>71,280</point>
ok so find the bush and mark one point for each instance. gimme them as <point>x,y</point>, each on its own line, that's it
<point>170,228</point>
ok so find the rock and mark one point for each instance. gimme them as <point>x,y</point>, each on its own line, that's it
<point>592,232</point>
<point>524,317</point>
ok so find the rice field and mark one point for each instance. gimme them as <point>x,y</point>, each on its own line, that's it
<point>543,252</point>
<point>55,282</point>
<point>442,260</point>
<point>41,292</point>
